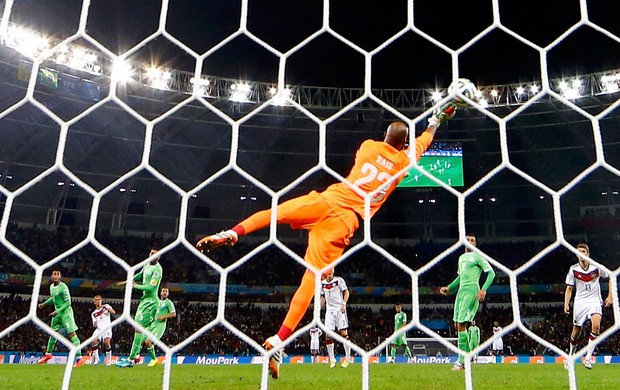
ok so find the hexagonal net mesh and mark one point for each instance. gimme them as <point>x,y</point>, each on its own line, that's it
<point>233,166</point>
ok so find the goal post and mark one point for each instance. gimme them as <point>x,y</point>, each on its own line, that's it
<point>426,346</point>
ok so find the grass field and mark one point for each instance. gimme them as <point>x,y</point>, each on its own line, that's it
<point>299,377</point>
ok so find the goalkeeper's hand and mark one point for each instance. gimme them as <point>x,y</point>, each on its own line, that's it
<point>442,114</point>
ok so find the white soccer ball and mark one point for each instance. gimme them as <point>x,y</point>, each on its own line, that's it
<point>464,87</point>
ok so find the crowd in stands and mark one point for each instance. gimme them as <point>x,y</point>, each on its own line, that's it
<point>272,266</point>
<point>367,327</point>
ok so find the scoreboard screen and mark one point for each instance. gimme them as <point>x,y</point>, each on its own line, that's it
<point>443,160</point>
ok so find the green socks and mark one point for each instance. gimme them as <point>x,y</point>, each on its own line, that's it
<point>76,341</point>
<point>51,343</point>
<point>463,344</point>
<point>136,346</point>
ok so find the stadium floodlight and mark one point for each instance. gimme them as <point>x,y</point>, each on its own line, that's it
<point>280,99</point>
<point>202,85</point>
<point>121,70</point>
<point>570,90</point>
<point>610,83</point>
<point>78,58</point>
<point>483,102</point>
<point>436,96</point>
<point>240,92</point>
<point>520,90</point>
<point>153,73</point>
<point>60,183</point>
<point>27,42</point>
<point>534,89</point>
<point>494,93</point>
<point>158,78</point>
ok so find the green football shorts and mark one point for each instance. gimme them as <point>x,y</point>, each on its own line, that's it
<point>465,306</point>
<point>145,314</point>
<point>64,320</point>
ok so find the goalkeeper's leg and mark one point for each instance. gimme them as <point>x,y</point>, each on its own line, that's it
<point>297,212</point>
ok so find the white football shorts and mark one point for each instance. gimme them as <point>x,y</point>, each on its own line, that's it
<point>335,319</point>
<point>583,312</point>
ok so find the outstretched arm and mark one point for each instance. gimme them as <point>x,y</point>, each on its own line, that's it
<point>439,116</point>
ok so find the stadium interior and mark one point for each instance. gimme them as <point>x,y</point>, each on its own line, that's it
<point>513,218</point>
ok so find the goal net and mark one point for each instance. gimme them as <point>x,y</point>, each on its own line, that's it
<point>426,346</point>
<point>195,148</point>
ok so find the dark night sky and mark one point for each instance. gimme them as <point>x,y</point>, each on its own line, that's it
<point>409,62</point>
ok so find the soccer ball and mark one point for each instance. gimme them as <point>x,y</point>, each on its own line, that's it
<point>465,88</point>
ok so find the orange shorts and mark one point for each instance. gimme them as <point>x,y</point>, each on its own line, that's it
<point>329,228</point>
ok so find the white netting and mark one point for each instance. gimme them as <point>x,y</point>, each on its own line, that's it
<point>506,164</point>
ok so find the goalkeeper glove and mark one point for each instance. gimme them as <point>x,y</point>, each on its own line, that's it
<point>442,114</point>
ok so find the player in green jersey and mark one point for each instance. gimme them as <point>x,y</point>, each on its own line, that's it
<point>165,310</point>
<point>149,278</point>
<point>400,320</point>
<point>473,334</point>
<point>62,317</point>
<point>471,265</point>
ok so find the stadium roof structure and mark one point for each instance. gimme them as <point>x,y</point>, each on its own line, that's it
<point>548,140</point>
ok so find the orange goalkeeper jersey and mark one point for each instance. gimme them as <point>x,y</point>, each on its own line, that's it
<point>375,163</point>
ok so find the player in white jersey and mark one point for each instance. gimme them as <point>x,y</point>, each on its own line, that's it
<point>498,343</point>
<point>334,295</point>
<point>584,278</point>
<point>101,318</point>
<point>315,334</point>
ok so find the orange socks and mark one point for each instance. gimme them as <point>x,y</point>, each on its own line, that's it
<point>255,222</point>
<point>299,305</point>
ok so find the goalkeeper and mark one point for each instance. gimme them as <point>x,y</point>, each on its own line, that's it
<point>150,276</point>
<point>332,216</point>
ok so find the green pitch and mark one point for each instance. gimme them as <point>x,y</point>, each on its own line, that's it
<point>307,376</point>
